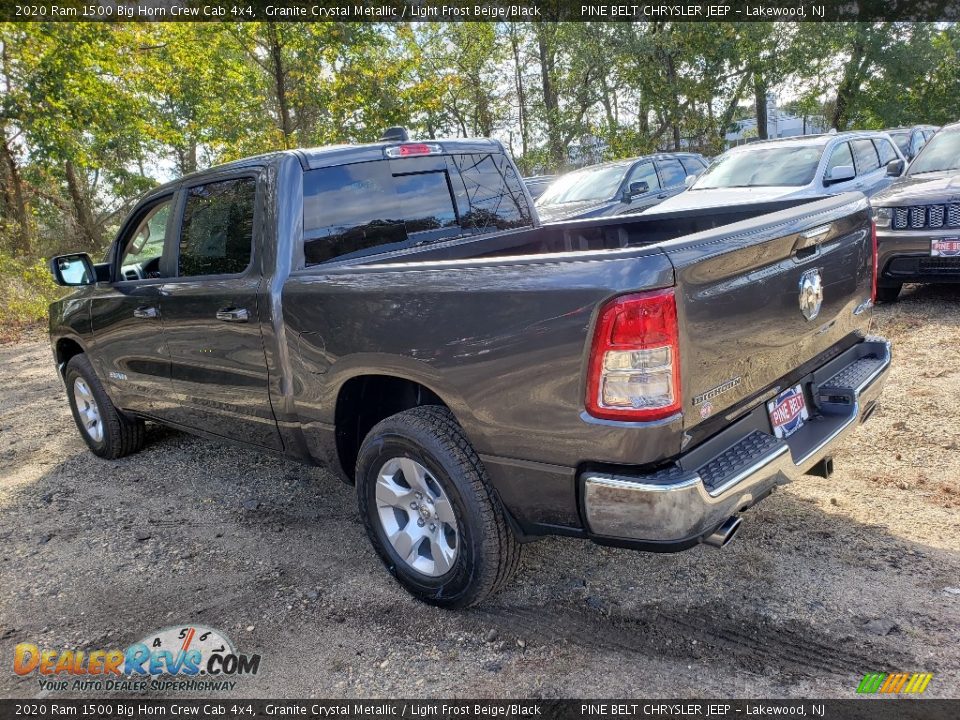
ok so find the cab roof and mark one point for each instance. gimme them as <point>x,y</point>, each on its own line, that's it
<point>331,155</point>
<point>819,139</point>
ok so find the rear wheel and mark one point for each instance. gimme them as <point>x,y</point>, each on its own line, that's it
<point>429,511</point>
<point>108,432</point>
<point>888,293</point>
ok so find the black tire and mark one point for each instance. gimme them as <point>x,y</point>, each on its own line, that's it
<point>488,554</point>
<point>122,434</point>
<point>888,293</point>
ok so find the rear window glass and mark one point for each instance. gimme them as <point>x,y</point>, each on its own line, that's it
<point>489,192</point>
<point>379,206</point>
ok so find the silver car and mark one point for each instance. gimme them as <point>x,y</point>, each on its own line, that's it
<point>806,166</point>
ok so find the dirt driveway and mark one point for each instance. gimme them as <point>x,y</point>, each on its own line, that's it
<point>827,580</point>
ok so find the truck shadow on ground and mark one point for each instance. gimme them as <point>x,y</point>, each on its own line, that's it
<point>98,553</point>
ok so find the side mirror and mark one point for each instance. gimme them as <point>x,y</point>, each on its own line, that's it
<point>840,173</point>
<point>895,168</point>
<point>689,180</point>
<point>636,188</point>
<point>73,270</point>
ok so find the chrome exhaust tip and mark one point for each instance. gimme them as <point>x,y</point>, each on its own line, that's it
<point>723,534</point>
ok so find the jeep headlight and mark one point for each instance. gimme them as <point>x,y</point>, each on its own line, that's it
<point>882,216</point>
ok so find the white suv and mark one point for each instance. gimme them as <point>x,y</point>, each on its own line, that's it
<point>806,166</point>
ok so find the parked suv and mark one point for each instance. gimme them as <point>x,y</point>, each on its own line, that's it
<point>918,219</point>
<point>911,140</point>
<point>807,166</point>
<point>618,188</point>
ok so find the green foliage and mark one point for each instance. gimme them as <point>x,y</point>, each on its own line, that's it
<point>26,291</point>
<point>94,114</point>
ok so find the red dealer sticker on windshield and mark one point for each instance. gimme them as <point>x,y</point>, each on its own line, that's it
<point>787,411</point>
<point>945,247</point>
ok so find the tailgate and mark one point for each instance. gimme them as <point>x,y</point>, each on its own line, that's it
<point>747,298</point>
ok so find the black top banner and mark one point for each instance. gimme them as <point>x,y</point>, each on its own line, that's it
<point>479,10</point>
<point>458,709</point>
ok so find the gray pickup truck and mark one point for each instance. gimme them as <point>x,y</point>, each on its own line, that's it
<point>397,312</point>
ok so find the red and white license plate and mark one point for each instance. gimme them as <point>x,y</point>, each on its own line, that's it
<point>945,247</point>
<point>788,410</point>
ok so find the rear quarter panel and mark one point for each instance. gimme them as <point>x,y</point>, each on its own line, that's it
<point>503,343</point>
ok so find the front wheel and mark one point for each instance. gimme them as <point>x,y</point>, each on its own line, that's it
<point>108,432</point>
<point>430,512</point>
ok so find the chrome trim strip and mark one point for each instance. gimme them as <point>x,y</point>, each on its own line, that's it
<point>614,482</point>
<point>816,232</point>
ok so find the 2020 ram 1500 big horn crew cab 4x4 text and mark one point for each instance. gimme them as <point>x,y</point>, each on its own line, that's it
<point>396,311</point>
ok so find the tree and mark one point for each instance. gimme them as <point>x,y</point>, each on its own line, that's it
<point>74,117</point>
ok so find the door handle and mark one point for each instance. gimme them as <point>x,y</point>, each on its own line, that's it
<point>145,312</point>
<point>663,195</point>
<point>233,315</point>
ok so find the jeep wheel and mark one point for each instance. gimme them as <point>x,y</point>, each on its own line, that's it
<point>430,512</point>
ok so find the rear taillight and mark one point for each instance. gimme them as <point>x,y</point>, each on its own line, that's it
<point>876,261</point>
<point>634,369</point>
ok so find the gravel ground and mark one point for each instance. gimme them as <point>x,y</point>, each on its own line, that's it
<point>827,580</point>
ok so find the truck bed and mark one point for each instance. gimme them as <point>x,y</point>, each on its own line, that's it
<point>609,233</point>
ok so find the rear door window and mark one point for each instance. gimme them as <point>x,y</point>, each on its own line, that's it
<point>217,233</point>
<point>865,155</point>
<point>671,172</point>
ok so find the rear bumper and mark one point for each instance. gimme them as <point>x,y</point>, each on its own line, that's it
<point>679,506</point>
